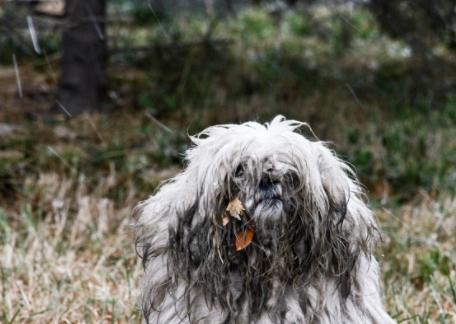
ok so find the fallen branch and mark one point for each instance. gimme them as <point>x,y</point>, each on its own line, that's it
<point>173,46</point>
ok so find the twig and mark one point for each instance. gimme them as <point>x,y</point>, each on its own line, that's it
<point>18,77</point>
<point>172,46</point>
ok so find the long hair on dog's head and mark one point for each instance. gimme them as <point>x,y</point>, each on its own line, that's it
<point>304,204</point>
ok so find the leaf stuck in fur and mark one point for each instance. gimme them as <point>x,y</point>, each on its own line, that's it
<point>243,239</point>
<point>235,208</point>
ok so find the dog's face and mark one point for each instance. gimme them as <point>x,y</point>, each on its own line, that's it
<point>294,191</point>
<point>263,184</point>
<point>271,191</point>
<point>287,184</point>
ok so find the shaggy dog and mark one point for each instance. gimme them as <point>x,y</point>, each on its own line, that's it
<point>262,226</point>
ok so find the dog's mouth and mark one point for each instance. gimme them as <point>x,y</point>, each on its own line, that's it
<point>267,208</point>
<point>270,202</point>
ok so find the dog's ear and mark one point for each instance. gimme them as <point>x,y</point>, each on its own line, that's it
<point>348,227</point>
<point>152,218</point>
<point>161,215</point>
<point>346,200</point>
<point>337,251</point>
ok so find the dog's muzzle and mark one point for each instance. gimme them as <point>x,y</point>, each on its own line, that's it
<point>266,203</point>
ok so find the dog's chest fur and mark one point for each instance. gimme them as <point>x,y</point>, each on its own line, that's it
<point>320,302</point>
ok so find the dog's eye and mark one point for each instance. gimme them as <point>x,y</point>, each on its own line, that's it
<point>292,180</point>
<point>239,171</point>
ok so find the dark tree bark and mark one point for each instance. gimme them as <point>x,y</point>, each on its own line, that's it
<point>83,82</point>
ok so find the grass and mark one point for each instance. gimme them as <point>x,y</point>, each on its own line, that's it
<point>59,265</point>
<point>418,260</point>
<point>67,186</point>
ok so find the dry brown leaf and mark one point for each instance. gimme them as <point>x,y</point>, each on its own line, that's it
<point>243,239</point>
<point>235,208</point>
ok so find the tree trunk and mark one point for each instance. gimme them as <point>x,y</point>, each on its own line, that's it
<point>83,82</point>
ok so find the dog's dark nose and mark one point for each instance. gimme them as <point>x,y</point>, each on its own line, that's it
<point>265,183</point>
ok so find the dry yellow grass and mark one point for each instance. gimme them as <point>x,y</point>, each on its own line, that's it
<point>70,260</point>
<point>419,260</point>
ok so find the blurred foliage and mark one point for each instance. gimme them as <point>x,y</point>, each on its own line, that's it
<point>389,113</point>
<point>420,23</point>
<point>430,263</point>
<point>414,151</point>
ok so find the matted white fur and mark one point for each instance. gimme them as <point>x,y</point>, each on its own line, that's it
<point>311,260</point>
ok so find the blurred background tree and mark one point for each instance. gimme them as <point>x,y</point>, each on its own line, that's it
<point>83,80</point>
